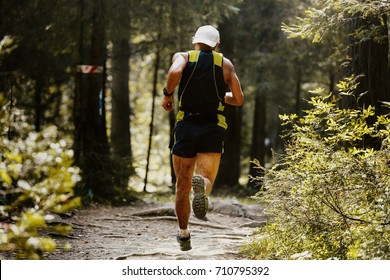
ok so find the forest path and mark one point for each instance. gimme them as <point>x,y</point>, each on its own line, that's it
<point>148,231</point>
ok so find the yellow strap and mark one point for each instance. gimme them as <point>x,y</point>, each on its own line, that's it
<point>193,56</point>
<point>218,58</point>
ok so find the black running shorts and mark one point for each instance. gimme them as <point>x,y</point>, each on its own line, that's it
<point>191,138</point>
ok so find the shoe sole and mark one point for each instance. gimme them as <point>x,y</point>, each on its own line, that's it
<point>200,201</point>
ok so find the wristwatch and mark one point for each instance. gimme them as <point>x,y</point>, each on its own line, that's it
<point>166,93</point>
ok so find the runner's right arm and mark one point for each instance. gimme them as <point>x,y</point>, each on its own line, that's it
<point>179,61</point>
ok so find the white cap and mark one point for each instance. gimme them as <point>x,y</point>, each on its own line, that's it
<point>207,35</point>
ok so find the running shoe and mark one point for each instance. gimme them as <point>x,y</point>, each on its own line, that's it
<point>184,242</point>
<point>200,203</point>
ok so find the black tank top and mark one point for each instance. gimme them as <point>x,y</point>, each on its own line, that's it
<point>202,87</point>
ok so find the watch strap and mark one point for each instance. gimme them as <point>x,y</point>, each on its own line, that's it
<point>166,93</point>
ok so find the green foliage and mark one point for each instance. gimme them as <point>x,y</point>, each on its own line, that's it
<point>324,17</point>
<point>329,195</point>
<point>37,178</point>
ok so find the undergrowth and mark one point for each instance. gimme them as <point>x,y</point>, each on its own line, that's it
<point>328,196</point>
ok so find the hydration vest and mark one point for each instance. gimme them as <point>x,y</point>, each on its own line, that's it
<point>202,88</point>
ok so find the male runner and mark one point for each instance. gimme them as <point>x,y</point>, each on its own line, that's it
<point>204,76</point>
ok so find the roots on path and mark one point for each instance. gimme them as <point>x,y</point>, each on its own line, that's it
<point>148,231</point>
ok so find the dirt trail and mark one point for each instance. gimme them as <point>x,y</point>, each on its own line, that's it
<point>148,231</point>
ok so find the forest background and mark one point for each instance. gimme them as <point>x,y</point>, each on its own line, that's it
<point>71,138</point>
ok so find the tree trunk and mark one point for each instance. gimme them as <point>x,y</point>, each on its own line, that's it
<point>370,58</point>
<point>229,171</point>
<point>258,150</point>
<point>120,123</point>
<point>178,44</point>
<point>78,105</point>
<point>154,94</point>
<point>230,168</point>
<point>298,90</point>
<point>172,122</point>
<point>95,142</point>
<point>91,133</point>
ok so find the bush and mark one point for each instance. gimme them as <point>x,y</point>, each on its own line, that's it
<point>328,196</point>
<point>36,181</point>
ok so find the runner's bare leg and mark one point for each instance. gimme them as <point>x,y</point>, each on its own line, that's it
<point>184,168</point>
<point>207,165</point>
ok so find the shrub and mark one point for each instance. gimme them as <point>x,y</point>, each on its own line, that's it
<point>36,181</point>
<point>328,196</point>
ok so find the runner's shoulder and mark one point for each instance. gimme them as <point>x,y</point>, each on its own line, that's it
<point>180,55</point>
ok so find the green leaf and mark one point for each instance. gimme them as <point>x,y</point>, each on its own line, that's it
<point>5,177</point>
